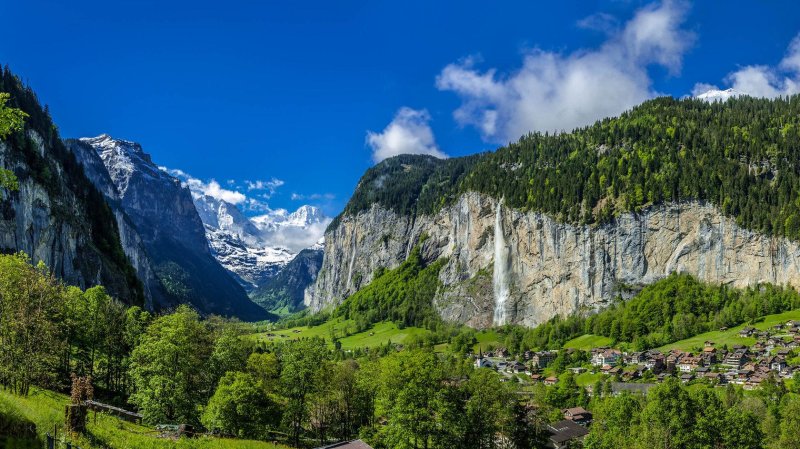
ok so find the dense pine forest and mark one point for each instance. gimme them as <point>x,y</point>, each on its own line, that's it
<point>742,156</point>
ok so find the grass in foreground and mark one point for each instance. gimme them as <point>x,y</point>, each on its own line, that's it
<point>46,410</point>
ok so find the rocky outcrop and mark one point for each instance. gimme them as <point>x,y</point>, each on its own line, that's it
<point>131,241</point>
<point>552,268</point>
<point>50,218</point>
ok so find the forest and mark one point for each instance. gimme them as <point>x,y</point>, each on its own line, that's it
<point>668,310</point>
<point>742,156</point>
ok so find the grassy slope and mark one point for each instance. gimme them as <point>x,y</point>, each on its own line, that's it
<point>731,336</point>
<point>381,334</point>
<point>46,410</point>
<point>587,342</point>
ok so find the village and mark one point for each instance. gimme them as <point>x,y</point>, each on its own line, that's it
<point>769,359</point>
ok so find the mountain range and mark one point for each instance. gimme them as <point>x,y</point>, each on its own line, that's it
<point>550,225</point>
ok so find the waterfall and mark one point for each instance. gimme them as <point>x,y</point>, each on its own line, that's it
<point>500,280</point>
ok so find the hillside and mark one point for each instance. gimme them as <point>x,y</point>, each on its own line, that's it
<point>576,218</point>
<point>742,155</point>
<point>57,216</point>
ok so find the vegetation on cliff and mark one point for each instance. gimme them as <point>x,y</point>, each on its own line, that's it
<point>403,295</point>
<point>742,155</point>
<point>63,178</point>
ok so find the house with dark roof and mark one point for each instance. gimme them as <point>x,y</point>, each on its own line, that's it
<point>564,433</point>
<point>578,415</point>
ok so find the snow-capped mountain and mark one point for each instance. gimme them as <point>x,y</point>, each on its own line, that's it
<point>719,95</point>
<point>163,231</point>
<point>256,249</point>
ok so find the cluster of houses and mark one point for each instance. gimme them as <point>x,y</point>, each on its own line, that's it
<point>747,366</point>
<point>743,365</point>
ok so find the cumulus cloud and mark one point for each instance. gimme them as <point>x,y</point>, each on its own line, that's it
<point>213,189</point>
<point>554,91</point>
<point>408,133</point>
<point>762,80</point>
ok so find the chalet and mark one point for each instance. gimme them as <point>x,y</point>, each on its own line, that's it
<point>709,355</point>
<point>634,358</point>
<point>735,359</point>
<point>606,356</point>
<point>536,377</point>
<point>565,434</point>
<point>578,415</point>
<point>777,363</point>
<point>628,376</point>
<point>550,381</point>
<point>689,364</point>
<point>654,362</point>
<point>687,377</point>
<point>502,352</point>
<point>747,332</point>
<point>519,368</point>
<point>542,359</point>
<point>717,378</point>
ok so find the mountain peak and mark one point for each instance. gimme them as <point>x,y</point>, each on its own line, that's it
<point>125,159</point>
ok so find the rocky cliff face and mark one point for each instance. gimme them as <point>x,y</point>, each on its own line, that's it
<point>284,292</point>
<point>162,230</point>
<point>547,268</point>
<point>131,241</point>
<point>56,217</point>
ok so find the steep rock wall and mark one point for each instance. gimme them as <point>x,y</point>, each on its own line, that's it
<point>552,268</point>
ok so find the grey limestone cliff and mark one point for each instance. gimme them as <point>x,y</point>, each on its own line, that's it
<point>551,268</point>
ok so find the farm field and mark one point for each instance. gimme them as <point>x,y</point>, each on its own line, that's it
<point>45,409</point>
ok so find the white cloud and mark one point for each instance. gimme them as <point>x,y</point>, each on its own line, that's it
<point>554,91</point>
<point>213,189</point>
<point>765,81</point>
<point>312,196</point>
<point>408,133</point>
<point>269,185</point>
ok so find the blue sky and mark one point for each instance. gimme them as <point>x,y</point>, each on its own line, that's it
<point>313,93</point>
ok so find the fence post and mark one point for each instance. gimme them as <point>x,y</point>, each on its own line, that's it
<point>51,442</point>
